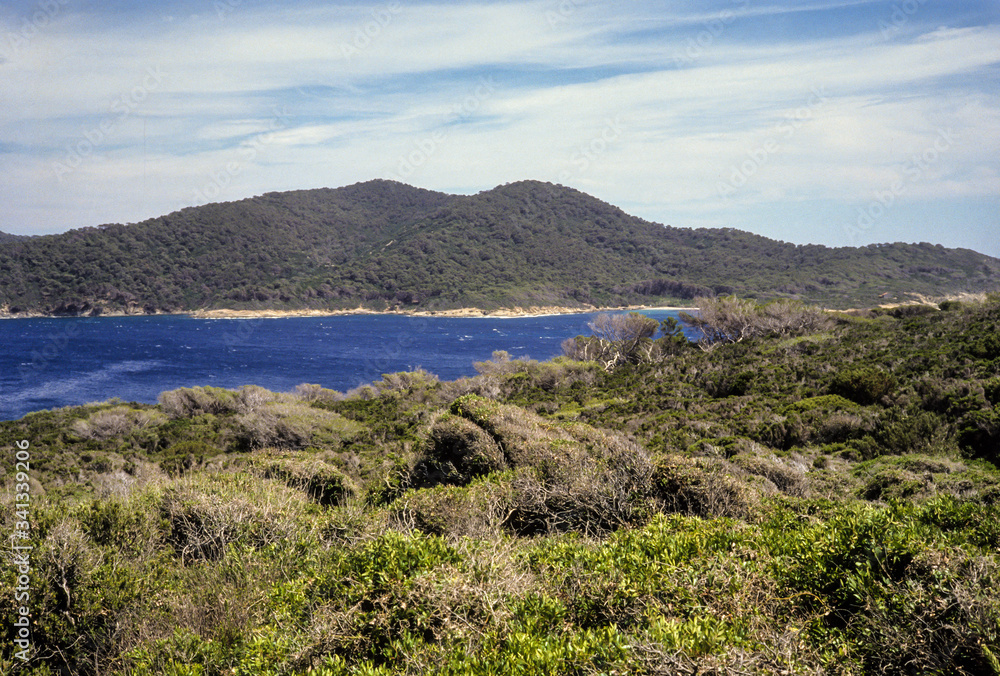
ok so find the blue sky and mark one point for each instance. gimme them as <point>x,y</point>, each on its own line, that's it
<point>839,122</point>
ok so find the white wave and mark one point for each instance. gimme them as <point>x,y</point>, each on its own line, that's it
<point>58,388</point>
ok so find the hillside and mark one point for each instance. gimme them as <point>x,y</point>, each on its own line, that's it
<point>814,501</point>
<point>385,245</point>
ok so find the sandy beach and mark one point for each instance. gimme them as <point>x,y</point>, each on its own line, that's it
<point>531,311</point>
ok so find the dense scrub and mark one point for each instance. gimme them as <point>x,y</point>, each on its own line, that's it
<point>382,244</point>
<point>823,501</point>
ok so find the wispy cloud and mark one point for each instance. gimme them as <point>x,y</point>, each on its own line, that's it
<point>149,104</point>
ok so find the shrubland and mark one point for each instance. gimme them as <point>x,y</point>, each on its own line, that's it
<point>818,496</point>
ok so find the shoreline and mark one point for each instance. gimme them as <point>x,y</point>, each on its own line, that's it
<point>467,312</point>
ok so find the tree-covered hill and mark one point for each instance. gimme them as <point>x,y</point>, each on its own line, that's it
<point>385,245</point>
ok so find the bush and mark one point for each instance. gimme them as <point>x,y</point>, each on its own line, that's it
<point>205,518</point>
<point>728,319</point>
<point>788,480</point>
<point>310,393</point>
<point>293,425</point>
<point>477,510</point>
<point>862,384</point>
<point>979,434</point>
<point>456,451</point>
<point>892,484</point>
<point>184,456</point>
<point>565,477</point>
<point>325,484</point>
<point>704,487</point>
<point>188,402</point>
<point>117,423</point>
<point>582,494</point>
<point>622,339</point>
<point>730,384</point>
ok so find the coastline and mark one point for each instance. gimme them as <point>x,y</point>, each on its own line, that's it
<point>466,312</point>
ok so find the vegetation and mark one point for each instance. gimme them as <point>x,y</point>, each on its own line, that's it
<point>817,500</point>
<point>384,245</point>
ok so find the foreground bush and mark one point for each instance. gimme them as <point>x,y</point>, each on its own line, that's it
<point>562,477</point>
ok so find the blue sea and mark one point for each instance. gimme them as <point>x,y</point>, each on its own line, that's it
<point>54,362</point>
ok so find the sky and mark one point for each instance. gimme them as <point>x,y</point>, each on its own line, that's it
<point>836,122</point>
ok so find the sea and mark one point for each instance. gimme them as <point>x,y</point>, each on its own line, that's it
<point>50,363</point>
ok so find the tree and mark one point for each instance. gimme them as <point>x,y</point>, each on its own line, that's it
<point>729,319</point>
<point>672,339</point>
<point>617,339</point>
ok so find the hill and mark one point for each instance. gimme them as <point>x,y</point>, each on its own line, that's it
<point>385,245</point>
<point>820,501</point>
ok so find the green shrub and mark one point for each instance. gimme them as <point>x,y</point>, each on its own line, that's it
<point>456,451</point>
<point>727,384</point>
<point>702,487</point>
<point>187,402</point>
<point>984,347</point>
<point>207,516</point>
<point>965,520</point>
<point>979,434</point>
<point>293,425</point>
<point>825,402</point>
<point>117,423</point>
<point>474,510</point>
<point>991,388</point>
<point>80,596</point>
<point>789,480</point>
<point>322,482</point>
<point>842,563</point>
<point>566,477</point>
<point>128,527</point>
<point>912,310</point>
<point>184,456</point>
<point>892,484</point>
<point>862,384</point>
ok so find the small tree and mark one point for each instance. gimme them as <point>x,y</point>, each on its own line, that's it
<point>672,339</point>
<point>723,320</point>
<point>729,319</point>
<point>623,338</point>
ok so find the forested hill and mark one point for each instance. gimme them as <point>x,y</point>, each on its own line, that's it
<point>383,245</point>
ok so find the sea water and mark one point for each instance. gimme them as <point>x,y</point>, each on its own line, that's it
<point>54,362</point>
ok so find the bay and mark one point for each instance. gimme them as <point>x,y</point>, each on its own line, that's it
<point>55,362</point>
